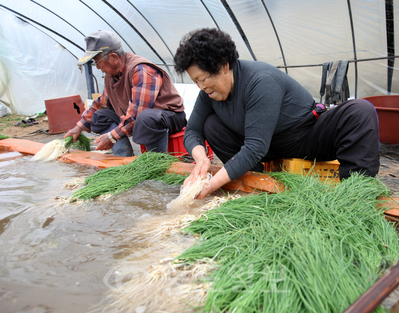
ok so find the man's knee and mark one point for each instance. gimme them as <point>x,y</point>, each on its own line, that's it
<point>149,117</point>
<point>102,120</point>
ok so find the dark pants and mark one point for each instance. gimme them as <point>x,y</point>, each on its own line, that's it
<point>348,132</point>
<point>150,127</point>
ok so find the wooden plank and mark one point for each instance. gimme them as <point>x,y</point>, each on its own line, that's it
<point>373,297</point>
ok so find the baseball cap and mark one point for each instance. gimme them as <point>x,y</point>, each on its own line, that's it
<point>98,42</point>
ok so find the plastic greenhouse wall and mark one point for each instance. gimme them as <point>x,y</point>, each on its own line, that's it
<point>41,40</point>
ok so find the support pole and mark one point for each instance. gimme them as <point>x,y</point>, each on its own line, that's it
<point>89,80</point>
<point>389,14</point>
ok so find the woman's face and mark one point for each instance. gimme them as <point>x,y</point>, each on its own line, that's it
<point>218,86</point>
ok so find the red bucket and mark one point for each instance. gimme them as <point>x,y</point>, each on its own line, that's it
<point>388,117</point>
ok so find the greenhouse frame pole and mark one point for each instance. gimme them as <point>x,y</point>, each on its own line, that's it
<point>62,19</point>
<point>45,27</point>
<point>277,36</point>
<point>152,26</point>
<point>89,80</point>
<point>353,44</point>
<point>389,16</point>
<point>239,28</point>
<point>103,19</point>
<point>210,14</point>
<point>138,33</point>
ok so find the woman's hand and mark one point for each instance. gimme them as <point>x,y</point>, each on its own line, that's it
<point>202,165</point>
<point>219,180</point>
<point>201,168</point>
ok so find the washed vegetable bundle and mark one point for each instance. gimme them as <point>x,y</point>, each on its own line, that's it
<point>189,193</point>
<point>115,180</point>
<point>83,143</point>
<point>55,148</point>
<point>315,247</point>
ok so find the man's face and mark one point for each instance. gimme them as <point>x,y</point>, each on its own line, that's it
<point>108,64</point>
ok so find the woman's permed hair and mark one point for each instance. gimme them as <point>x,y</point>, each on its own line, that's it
<point>208,48</point>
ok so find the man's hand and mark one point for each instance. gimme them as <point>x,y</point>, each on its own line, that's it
<point>103,142</point>
<point>74,132</point>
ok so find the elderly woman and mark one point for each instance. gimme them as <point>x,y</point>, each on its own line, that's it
<point>251,112</point>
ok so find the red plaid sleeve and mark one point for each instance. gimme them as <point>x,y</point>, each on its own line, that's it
<point>98,104</point>
<point>146,82</point>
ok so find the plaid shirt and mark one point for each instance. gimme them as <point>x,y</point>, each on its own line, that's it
<point>146,83</point>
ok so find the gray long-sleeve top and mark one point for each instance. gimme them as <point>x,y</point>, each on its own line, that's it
<point>264,101</point>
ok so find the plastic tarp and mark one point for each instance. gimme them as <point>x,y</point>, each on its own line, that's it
<point>41,40</point>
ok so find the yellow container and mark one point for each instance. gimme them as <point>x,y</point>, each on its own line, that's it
<point>88,102</point>
<point>321,169</point>
<point>95,96</point>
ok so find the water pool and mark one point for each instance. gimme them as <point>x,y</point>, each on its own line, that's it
<point>62,257</point>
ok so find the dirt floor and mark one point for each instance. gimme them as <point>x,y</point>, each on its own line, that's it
<point>389,168</point>
<point>16,126</point>
<point>36,131</point>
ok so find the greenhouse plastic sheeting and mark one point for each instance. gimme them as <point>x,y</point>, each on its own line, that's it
<point>41,40</point>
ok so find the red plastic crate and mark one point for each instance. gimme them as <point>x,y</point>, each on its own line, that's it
<point>176,147</point>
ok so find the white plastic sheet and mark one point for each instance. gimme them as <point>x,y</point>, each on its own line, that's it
<point>284,33</point>
<point>38,68</point>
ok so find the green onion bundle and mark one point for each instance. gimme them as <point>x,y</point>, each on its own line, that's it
<point>172,179</point>
<point>82,143</point>
<point>55,148</point>
<point>115,180</point>
<point>3,137</point>
<point>315,247</point>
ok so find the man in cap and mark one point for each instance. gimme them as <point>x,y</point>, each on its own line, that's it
<point>139,100</point>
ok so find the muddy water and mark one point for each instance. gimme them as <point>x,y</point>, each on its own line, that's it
<point>57,257</point>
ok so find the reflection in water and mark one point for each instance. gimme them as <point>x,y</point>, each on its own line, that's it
<point>57,257</point>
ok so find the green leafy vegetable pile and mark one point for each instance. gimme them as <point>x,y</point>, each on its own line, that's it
<point>315,247</point>
<point>115,180</point>
<point>83,143</point>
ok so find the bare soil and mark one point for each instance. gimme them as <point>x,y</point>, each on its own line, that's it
<point>12,126</point>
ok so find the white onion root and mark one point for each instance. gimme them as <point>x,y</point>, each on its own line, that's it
<point>51,151</point>
<point>189,192</point>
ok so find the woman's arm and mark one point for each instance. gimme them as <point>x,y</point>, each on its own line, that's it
<point>219,180</point>
<point>193,140</point>
<point>201,168</point>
